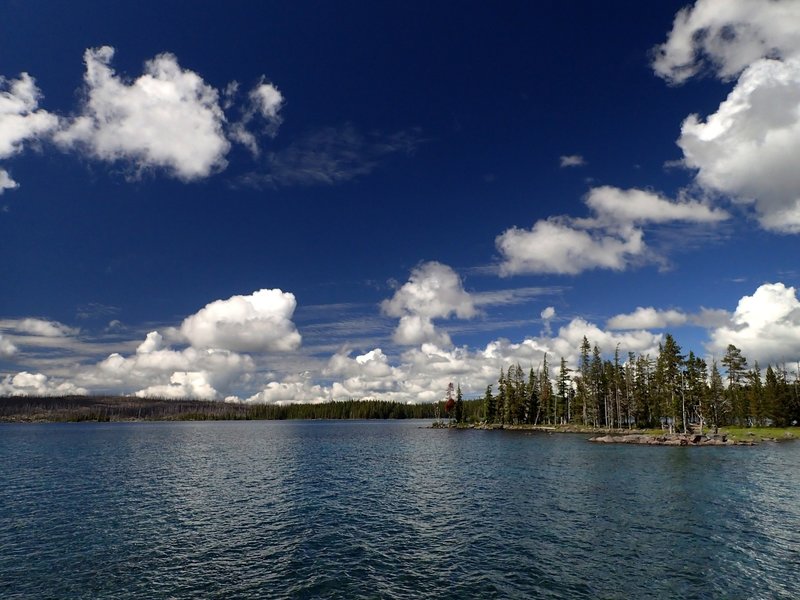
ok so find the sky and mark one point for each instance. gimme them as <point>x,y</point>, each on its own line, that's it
<point>307,201</point>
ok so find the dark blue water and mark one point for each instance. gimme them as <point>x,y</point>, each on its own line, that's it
<point>387,510</point>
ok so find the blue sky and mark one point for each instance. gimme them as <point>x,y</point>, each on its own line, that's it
<point>313,200</point>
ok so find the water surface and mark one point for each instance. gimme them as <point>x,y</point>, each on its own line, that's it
<point>373,509</point>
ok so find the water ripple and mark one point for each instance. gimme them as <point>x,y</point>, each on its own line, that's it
<point>387,510</point>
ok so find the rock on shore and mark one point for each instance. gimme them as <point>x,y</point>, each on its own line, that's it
<point>674,439</point>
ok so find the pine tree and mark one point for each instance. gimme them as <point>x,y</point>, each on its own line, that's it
<point>489,405</point>
<point>563,389</point>
<point>716,396</point>
<point>736,364</point>
<point>755,395</point>
<point>545,388</point>
<point>532,391</point>
<point>502,407</point>
<point>669,380</point>
<point>458,411</point>
<point>582,396</point>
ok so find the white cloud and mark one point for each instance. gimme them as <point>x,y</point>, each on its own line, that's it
<point>614,205</point>
<point>167,118</point>
<point>259,322</point>
<point>647,318</point>
<point>38,327</point>
<point>728,36</point>
<point>547,315</point>
<point>182,384</point>
<point>20,117</point>
<point>290,392</point>
<point>152,343</point>
<point>21,120</point>
<point>37,384</point>
<point>572,160</point>
<point>190,372</point>
<point>413,330</point>
<point>433,290</point>
<point>267,100</point>
<point>264,101</point>
<point>7,349</point>
<point>6,183</point>
<point>610,239</point>
<point>748,148</point>
<point>765,326</point>
<point>554,245</point>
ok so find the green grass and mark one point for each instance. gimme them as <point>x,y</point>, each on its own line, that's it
<point>757,434</point>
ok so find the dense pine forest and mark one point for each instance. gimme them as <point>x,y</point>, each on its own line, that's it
<point>121,408</point>
<point>670,390</point>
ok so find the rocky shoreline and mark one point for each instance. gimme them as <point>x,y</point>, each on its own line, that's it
<point>671,439</point>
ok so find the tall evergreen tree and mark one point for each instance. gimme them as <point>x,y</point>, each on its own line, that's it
<point>736,365</point>
<point>563,392</point>
<point>755,396</point>
<point>545,388</point>
<point>458,410</point>
<point>716,396</point>
<point>669,379</point>
<point>532,391</point>
<point>489,405</point>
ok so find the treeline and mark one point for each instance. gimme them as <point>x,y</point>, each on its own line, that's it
<point>670,390</point>
<point>122,408</point>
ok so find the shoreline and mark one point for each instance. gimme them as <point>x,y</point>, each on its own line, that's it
<point>726,436</point>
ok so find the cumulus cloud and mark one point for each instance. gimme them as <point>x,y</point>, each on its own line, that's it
<point>187,373</point>
<point>613,205</point>
<point>285,392</point>
<point>648,318</point>
<point>264,101</point>
<point>259,322</point>
<point>167,118</point>
<point>37,327</point>
<point>748,148</point>
<point>433,290</point>
<point>612,238</point>
<point>547,315</point>
<point>182,384</point>
<point>7,349</point>
<point>727,36</point>
<point>6,183</point>
<point>572,160</point>
<point>555,245</point>
<point>21,118</point>
<point>765,326</point>
<point>37,384</point>
<point>745,149</point>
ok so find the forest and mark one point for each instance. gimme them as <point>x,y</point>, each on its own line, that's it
<point>125,408</point>
<point>671,390</point>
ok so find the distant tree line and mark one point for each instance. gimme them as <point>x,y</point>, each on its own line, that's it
<point>122,408</point>
<point>670,390</point>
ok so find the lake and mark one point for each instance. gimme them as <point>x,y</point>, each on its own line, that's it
<point>376,509</point>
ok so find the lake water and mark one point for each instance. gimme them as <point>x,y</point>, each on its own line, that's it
<point>388,510</point>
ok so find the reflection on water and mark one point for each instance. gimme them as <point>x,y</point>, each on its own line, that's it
<point>387,509</point>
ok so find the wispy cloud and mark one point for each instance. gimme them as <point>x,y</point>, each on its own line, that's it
<point>331,156</point>
<point>572,160</point>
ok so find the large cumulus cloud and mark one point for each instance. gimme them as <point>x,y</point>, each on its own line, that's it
<point>259,322</point>
<point>612,237</point>
<point>433,290</point>
<point>168,117</point>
